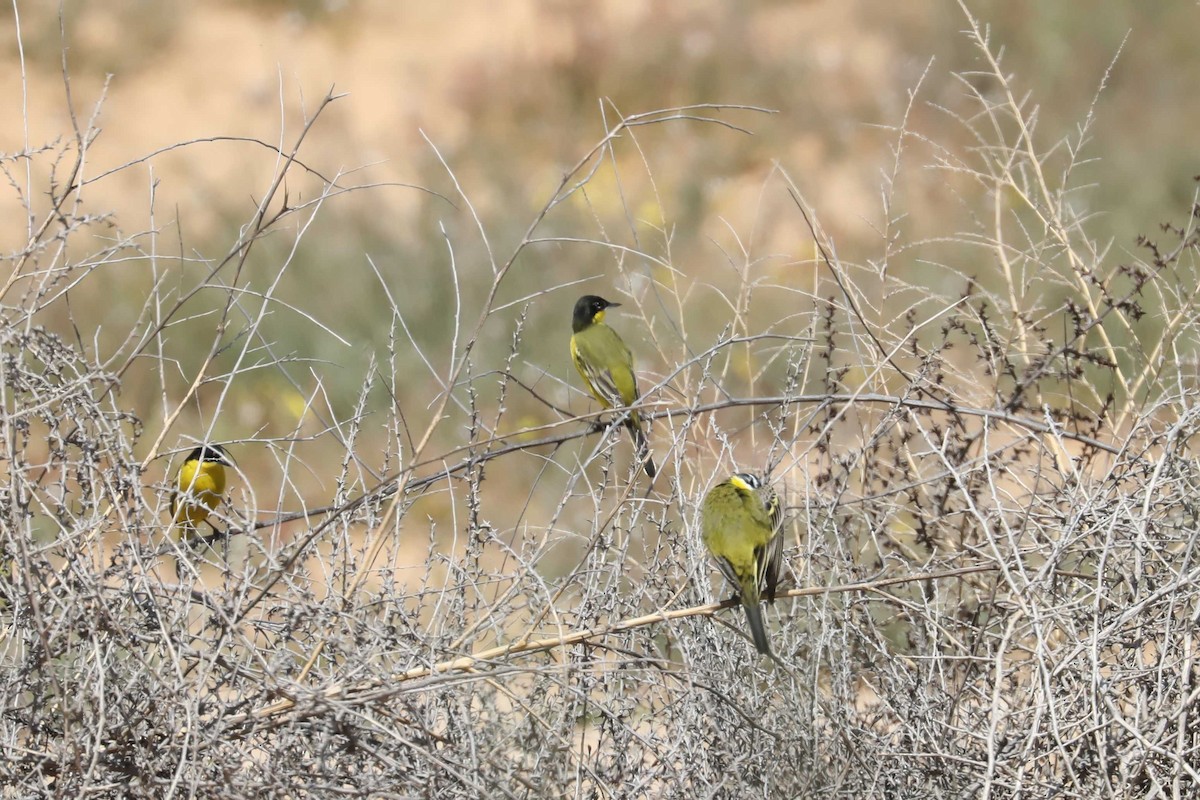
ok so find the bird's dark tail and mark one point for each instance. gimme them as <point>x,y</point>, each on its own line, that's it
<point>758,626</point>
<point>641,445</point>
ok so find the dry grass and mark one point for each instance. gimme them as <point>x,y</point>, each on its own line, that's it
<point>984,437</point>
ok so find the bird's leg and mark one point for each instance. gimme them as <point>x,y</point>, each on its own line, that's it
<point>217,533</point>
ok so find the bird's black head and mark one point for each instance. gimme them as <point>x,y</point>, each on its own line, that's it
<point>589,310</point>
<point>210,452</point>
<point>745,482</point>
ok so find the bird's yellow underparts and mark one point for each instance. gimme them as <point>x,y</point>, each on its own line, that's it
<point>199,489</point>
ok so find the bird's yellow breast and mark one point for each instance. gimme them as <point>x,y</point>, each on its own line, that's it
<point>201,486</point>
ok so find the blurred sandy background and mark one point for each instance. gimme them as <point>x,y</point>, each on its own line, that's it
<point>511,95</point>
<point>525,78</point>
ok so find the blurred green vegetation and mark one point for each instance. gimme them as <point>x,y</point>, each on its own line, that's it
<point>701,197</point>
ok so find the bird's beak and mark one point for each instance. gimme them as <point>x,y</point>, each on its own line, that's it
<point>613,305</point>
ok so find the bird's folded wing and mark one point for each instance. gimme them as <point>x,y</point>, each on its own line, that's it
<point>603,384</point>
<point>730,575</point>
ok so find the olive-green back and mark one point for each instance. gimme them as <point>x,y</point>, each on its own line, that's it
<point>736,526</point>
<point>604,361</point>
